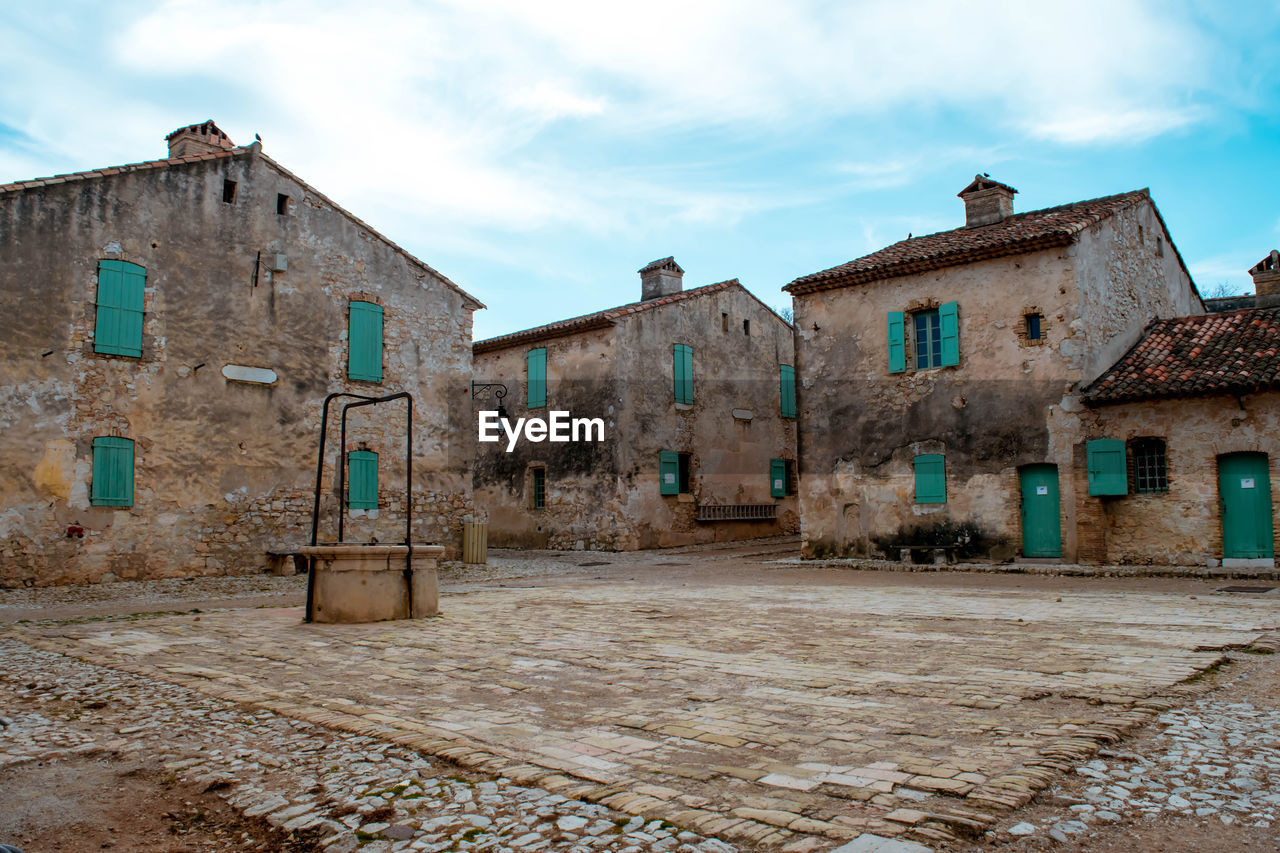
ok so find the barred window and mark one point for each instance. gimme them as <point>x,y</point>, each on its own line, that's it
<point>1150,470</point>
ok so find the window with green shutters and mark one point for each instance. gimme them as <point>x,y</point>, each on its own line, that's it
<point>117,327</point>
<point>778,478</point>
<point>682,372</point>
<point>787,380</point>
<point>112,471</point>
<point>364,341</point>
<point>668,472</point>
<point>1108,472</point>
<point>536,379</point>
<point>362,479</point>
<point>935,335</point>
<point>931,478</point>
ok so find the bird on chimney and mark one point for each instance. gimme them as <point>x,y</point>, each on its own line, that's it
<point>257,138</point>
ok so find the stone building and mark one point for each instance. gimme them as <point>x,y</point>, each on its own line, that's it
<point>695,391</point>
<point>940,378</point>
<point>171,329</point>
<point>1185,429</point>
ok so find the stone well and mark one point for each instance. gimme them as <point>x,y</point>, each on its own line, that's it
<point>367,583</point>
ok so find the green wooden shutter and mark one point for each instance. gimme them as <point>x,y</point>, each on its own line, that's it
<point>682,372</point>
<point>777,478</point>
<point>364,341</point>
<point>117,327</point>
<point>1107,471</point>
<point>897,342</point>
<point>112,471</point>
<point>949,321</point>
<point>787,380</point>
<point>362,479</point>
<point>537,377</point>
<point>931,478</point>
<point>668,472</point>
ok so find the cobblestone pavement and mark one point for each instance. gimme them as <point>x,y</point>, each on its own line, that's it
<point>342,789</point>
<point>764,712</point>
<point>1211,767</point>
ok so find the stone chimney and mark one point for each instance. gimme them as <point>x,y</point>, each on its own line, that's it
<point>1266,281</point>
<point>986,201</point>
<point>197,139</point>
<point>663,277</point>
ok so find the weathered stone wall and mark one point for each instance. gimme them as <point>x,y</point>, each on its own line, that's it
<point>582,509</point>
<point>223,469</point>
<point>861,426</point>
<point>606,496</point>
<point>730,456</point>
<point>1183,526</point>
<point>1010,402</point>
<point>1127,273</point>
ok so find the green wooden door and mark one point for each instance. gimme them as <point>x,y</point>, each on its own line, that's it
<point>1244,488</point>
<point>1041,530</point>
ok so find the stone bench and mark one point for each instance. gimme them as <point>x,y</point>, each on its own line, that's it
<point>942,554</point>
<point>284,560</point>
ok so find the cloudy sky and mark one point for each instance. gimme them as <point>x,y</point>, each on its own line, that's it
<point>540,153</point>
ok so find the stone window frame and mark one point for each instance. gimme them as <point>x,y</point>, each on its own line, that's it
<point>1131,464</point>
<point>533,470</point>
<point>88,333</point>
<point>1024,340</point>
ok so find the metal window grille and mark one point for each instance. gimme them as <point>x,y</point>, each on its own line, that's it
<point>738,512</point>
<point>1150,469</point>
<point>928,329</point>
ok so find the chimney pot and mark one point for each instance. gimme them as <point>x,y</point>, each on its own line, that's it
<point>1266,281</point>
<point>198,139</point>
<point>662,277</point>
<point>986,201</point>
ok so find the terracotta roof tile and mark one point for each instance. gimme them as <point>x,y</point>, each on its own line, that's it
<point>1226,353</point>
<point>597,319</point>
<point>1014,235</point>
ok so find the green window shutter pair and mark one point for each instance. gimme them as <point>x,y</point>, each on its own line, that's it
<point>362,479</point>
<point>537,377</point>
<point>949,319</point>
<point>668,472</point>
<point>364,341</point>
<point>931,478</point>
<point>777,478</point>
<point>117,327</point>
<point>682,372</point>
<point>112,471</point>
<point>787,379</point>
<point>1107,470</point>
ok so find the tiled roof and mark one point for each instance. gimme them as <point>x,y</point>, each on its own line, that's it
<point>233,153</point>
<point>1014,235</point>
<point>596,320</point>
<point>1227,353</point>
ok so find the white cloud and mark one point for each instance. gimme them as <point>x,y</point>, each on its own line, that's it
<point>442,111</point>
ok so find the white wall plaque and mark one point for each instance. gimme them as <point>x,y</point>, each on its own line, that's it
<point>1246,483</point>
<point>668,478</point>
<point>1042,490</point>
<point>244,373</point>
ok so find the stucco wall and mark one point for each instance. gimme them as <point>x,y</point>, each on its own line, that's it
<point>222,469</point>
<point>861,426</point>
<point>730,456</point>
<point>606,496</point>
<point>1183,526</point>
<point>582,509</point>
<point>1127,273</point>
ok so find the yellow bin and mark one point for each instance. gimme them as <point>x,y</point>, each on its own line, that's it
<point>475,542</point>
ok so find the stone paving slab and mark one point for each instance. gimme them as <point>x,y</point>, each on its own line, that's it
<point>766,715</point>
